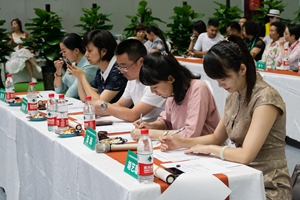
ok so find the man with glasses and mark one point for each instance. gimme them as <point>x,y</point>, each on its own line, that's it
<point>130,54</point>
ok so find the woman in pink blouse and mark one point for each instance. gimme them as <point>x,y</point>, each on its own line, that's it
<point>190,103</point>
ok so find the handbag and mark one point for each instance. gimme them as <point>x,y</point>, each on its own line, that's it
<point>296,183</point>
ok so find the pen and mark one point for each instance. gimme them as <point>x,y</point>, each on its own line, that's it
<point>178,131</point>
<point>141,118</point>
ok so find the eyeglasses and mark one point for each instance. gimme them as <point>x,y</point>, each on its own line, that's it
<point>125,69</point>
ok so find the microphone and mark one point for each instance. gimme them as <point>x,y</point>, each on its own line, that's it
<point>104,147</point>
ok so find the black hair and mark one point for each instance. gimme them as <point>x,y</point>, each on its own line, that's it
<point>102,39</point>
<point>158,67</point>
<point>140,27</point>
<point>229,55</point>
<point>251,28</point>
<point>235,26</point>
<point>294,29</point>
<point>19,23</point>
<point>73,41</point>
<point>134,49</point>
<point>213,22</point>
<point>199,26</point>
<point>280,28</point>
<point>158,33</point>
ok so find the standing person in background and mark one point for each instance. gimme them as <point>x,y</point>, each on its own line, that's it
<point>157,38</point>
<point>140,33</point>
<point>272,49</point>
<point>22,57</point>
<point>242,21</point>
<point>190,103</point>
<point>255,45</point>
<point>273,16</point>
<point>198,28</point>
<point>254,119</point>
<point>109,83</point>
<point>291,43</point>
<point>72,49</point>
<point>206,40</point>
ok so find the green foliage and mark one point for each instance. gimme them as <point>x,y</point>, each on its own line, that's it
<point>93,20</point>
<point>225,15</point>
<point>297,18</point>
<point>46,32</point>
<point>265,8</point>
<point>5,47</point>
<point>143,16</point>
<point>182,27</point>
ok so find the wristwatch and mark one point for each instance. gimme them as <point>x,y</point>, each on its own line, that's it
<point>103,106</point>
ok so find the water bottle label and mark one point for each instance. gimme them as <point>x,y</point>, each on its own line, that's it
<point>90,123</point>
<point>286,63</point>
<point>32,106</point>
<point>10,95</point>
<point>51,121</point>
<point>62,122</point>
<point>145,164</point>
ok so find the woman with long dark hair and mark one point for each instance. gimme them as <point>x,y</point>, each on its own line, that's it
<point>157,38</point>
<point>254,119</point>
<point>190,103</point>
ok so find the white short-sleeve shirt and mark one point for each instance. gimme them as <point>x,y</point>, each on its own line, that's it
<point>204,43</point>
<point>137,92</point>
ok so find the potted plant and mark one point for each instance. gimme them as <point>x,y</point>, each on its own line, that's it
<point>143,16</point>
<point>297,18</point>
<point>181,28</point>
<point>93,20</point>
<point>225,15</point>
<point>46,32</point>
<point>264,10</point>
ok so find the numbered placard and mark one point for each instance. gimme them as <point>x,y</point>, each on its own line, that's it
<point>23,107</point>
<point>2,94</point>
<point>90,138</point>
<point>131,164</point>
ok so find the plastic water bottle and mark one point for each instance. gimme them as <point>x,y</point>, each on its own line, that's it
<point>32,105</point>
<point>51,113</point>
<point>9,89</point>
<point>62,114</point>
<point>286,60</point>
<point>299,66</point>
<point>145,158</point>
<point>89,114</point>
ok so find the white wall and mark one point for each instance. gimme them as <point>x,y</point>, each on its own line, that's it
<point>70,10</point>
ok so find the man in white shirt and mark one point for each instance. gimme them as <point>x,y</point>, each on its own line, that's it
<point>292,44</point>
<point>206,40</point>
<point>130,54</point>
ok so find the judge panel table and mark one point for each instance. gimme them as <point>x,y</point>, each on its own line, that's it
<point>37,164</point>
<point>285,82</point>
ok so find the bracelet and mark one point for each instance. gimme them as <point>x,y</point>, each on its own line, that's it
<point>166,132</point>
<point>222,152</point>
<point>56,75</point>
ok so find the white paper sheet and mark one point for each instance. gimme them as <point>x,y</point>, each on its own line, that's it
<point>174,155</point>
<point>196,186</point>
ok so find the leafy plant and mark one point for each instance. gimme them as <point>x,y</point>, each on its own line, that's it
<point>225,15</point>
<point>265,8</point>
<point>181,28</point>
<point>5,47</point>
<point>297,18</point>
<point>94,20</point>
<point>46,32</point>
<point>143,16</point>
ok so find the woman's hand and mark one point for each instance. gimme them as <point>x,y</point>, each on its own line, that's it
<point>58,65</point>
<point>138,124</point>
<point>170,142</point>
<point>135,133</point>
<point>75,71</point>
<point>193,38</point>
<point>199,148</point>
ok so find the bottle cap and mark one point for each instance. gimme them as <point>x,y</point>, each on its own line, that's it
<point>8,75</point>
<point>61,96</point>
<point>51,95</point>
<point>144,131</point>
<point>88,98</point>
<point>31,83</point>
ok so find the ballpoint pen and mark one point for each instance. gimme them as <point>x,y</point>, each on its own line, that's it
<point>178,131</point>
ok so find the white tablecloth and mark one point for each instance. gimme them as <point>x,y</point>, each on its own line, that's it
<point>37,164</point>
<point>287,85</point>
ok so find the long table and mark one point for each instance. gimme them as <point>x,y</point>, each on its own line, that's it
<point>285,82</point>
<point>37,164</point>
